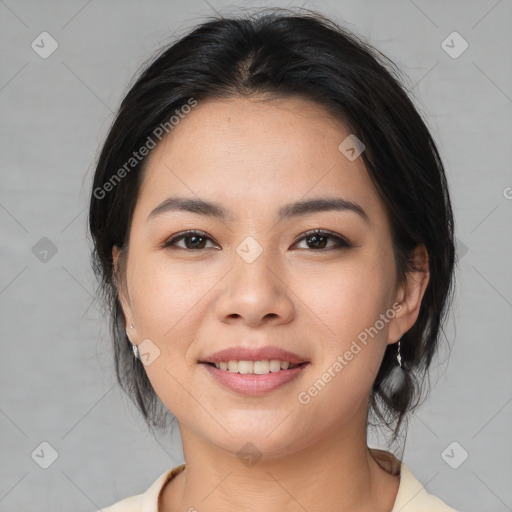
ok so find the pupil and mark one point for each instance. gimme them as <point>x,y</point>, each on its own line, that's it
<point>192,238</point>
<point>315,240</point>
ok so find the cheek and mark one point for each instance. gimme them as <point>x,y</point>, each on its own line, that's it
<point>344,299</point>
<point>166,296</point>
<point>169,301</point>
<point>347,361</point>
<point>350,334</point>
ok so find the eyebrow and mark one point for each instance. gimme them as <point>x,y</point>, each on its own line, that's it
<point>287,211</point>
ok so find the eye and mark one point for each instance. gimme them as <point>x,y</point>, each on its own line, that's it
<point>318,239</point>
<point>197,240</point>
<point>193,239</point>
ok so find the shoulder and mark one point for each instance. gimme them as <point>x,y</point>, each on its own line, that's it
<point>413,497</point>
<point>147,501</point>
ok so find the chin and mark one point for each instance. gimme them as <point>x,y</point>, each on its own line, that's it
<point>269,440</point>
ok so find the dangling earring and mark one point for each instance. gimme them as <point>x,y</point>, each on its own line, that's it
<point>398,376</point>
<point>135,347</point>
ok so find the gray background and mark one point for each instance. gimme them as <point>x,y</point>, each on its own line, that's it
<point>56,370</point>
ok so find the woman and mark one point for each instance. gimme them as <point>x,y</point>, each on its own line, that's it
<point>274,238</point>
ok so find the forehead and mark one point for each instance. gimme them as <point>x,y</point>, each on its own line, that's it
<point>256,153</point>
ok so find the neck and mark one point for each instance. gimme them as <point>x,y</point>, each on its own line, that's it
<point>337,472</point>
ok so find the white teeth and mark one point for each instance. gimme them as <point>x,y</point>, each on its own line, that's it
<point>260,367</point>
<point>254,367</point>
<point>275,365</point>
<point>245,367</point>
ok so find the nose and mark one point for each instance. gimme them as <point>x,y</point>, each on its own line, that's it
<point>255,293</point>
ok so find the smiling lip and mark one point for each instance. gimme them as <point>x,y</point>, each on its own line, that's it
<point>249,384</point>
<point>253,384</point>
<point>253,354</point>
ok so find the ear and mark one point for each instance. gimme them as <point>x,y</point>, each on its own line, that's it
<point>122,291</point>
<point>409,295</point>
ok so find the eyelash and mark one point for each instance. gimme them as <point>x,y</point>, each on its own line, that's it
<point>341,242</point>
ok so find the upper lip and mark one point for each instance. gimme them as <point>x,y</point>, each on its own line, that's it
<point>253,354</point>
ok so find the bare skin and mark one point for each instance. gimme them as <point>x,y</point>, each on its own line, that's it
<point>252,157</point>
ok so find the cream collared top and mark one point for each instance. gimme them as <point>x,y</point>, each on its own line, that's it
<point>411,496</point>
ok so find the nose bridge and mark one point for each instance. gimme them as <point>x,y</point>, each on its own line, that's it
<point>252,274</point>
<point>252,267</point>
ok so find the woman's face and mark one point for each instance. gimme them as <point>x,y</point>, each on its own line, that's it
<point>254,280</point>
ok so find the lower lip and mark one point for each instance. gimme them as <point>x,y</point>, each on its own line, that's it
<point>250,384</point>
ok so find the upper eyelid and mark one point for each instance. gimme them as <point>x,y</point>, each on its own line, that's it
<point>321,231</point>
<point>190,232</point>
<point>344,241</point>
